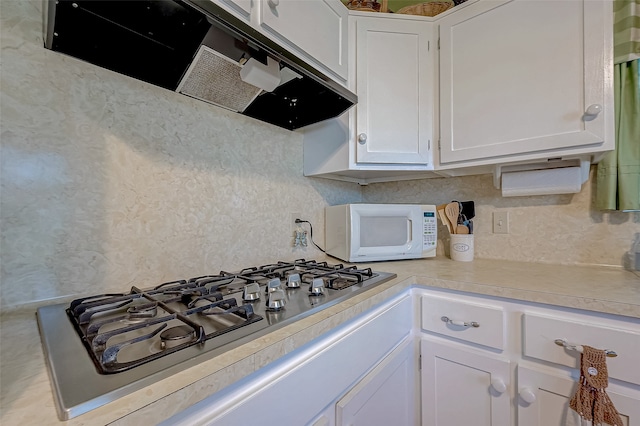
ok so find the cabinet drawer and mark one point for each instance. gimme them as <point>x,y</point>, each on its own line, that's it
<point>489,320</point>
<point>541,331</point>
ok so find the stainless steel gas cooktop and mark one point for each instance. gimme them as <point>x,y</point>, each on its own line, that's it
<point>103,347</point>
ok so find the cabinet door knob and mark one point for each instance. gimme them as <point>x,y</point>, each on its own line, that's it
<point>499,385</point>
<point>527,395</point>
<point>592,112</point>
<point>362,138</point>
<point>594,109</point>
<point>273,3</point>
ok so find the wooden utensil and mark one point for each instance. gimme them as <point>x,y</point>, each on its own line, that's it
<point>462,229</point>
<point>443,218</point>
<point>453,211</point>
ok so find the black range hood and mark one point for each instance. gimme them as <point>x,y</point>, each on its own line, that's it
<point>198,49</point>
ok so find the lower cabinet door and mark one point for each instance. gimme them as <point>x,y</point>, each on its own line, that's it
<point>326,418</point>
<point>462,386</point>
<point>385,396</point>
<point>303,387</point>
<point>543,400</point>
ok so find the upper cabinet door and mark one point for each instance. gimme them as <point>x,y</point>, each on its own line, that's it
<point>524,76</point>
<point>317,27</point>
<point>394,82</point>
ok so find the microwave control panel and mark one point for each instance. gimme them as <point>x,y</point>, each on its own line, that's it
<point>429,230</point>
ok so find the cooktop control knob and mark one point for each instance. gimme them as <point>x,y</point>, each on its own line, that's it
<point>293,281</point>
<point>276,301</point>
<point>251,292</point>
<point>317,287</point>
<point>273,285</point>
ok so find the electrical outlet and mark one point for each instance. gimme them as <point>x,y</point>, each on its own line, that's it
<point>500,222</point>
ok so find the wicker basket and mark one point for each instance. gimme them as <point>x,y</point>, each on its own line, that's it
<point>431,8</point>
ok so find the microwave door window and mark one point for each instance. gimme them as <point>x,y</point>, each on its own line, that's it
<point>384,231</point>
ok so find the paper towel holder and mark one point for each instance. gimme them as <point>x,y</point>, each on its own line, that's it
<point>551,163</point>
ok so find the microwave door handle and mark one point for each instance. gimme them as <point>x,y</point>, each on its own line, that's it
<point>410,230</point>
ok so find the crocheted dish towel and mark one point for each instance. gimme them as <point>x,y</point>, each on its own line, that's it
<point>590,400</point>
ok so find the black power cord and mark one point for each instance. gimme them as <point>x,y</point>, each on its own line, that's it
<point>311,233</point>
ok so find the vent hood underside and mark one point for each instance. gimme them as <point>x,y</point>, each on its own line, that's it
<point>157,41</point>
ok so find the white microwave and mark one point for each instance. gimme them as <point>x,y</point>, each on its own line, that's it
<point>374,232</point>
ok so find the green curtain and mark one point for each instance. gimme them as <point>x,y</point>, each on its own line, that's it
<point>618,178</point>
<point>618,181</point>
<point>626,30</point>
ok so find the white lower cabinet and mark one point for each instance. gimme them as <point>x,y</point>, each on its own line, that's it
<point>492,361</point>
<point>386,396</point>
<point>437,358</point>
<point>303,387</point>
<point>462,387</point>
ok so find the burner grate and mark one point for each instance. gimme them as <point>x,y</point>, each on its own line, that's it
<point>123,331</point>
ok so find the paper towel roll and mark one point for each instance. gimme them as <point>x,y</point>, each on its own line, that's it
<point>566,180</point>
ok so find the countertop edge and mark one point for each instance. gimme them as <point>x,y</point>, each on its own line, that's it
<point>283,341</point>
<point>595,305</point>
<point>169,396</point>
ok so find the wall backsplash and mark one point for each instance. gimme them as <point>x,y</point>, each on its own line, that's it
<point>563,229</point>
<point>108,182</point>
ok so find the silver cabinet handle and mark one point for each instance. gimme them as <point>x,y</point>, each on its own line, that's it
<point>460,323</point>
<point>573,347</point>
<point>362,138</point>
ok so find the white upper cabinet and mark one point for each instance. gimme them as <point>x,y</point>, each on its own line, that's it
<point>525,79</point>
<point>314,30</point>
<point>317,27</point>
<point>388,135</point>
<point>514,82</point>
<point>394,82</point>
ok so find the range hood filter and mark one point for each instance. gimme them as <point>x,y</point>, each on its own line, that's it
<point>214,78</point>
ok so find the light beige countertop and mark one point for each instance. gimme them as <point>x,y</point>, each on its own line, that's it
<point>26,396</point>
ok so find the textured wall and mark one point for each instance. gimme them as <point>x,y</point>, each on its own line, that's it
<point>109,182</point>
<point>562,229</point>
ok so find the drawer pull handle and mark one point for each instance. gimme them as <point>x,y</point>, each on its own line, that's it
<point>460,323</point>
<point>578,348</point>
